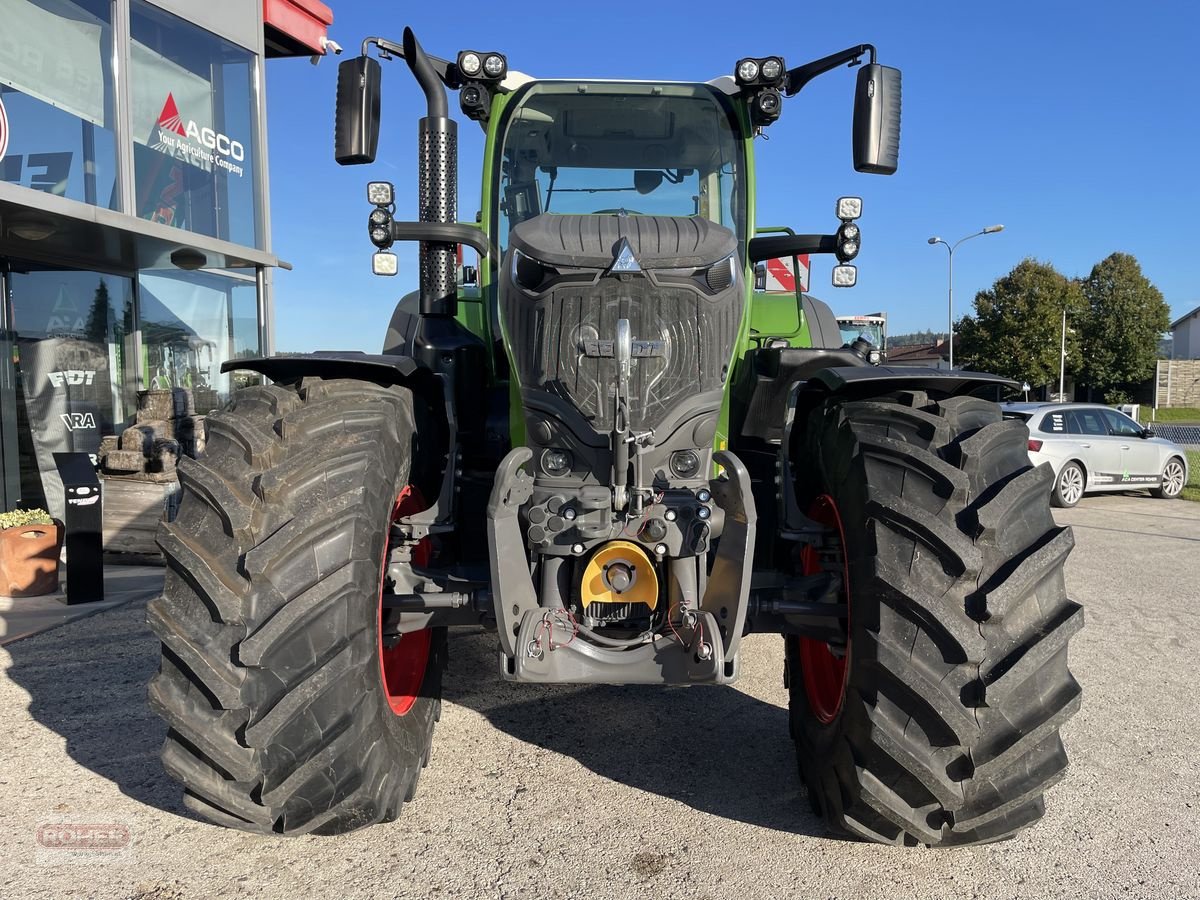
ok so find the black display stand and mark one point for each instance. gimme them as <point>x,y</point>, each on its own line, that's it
<point>84,527</point>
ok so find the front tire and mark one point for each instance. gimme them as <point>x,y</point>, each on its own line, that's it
<point>1173,480</point>
<point>272,680</point>
<point>956,681</point>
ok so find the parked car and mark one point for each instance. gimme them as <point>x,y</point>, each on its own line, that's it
<point>1095,448</point>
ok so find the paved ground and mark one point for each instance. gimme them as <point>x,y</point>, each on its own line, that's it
<point>23,616</point>
<point>626,792</point>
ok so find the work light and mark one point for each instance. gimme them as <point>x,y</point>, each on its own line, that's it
<point>494,65</point>
<point>747,71</point>
<point>849,208</point>
<point>469,64</point>
<point>380,193</point>
<point>845,276</point>
<point>384,263</point>
<point>772,68</point>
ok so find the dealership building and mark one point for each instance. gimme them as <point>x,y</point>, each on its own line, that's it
<point>135,233</point>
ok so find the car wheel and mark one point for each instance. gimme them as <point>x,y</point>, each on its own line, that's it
<point>1172,480</point>
<point>1068,487</point>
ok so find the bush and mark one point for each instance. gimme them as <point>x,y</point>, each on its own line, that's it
<point>19,517</point>
<point>1116,397</point>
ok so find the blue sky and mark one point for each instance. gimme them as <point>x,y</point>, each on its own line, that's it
<point>1072,123</point>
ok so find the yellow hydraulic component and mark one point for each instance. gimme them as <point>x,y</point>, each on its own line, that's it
<point>620,572</point>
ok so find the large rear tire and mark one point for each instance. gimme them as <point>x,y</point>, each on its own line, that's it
<point>287,713</point>
<point>945,727</point>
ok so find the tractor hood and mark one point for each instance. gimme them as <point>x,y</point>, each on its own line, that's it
<point>591,241</point>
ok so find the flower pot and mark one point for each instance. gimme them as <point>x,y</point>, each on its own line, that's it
<point>29,560</point>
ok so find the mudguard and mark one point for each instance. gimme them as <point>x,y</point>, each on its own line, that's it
<point>376,367</point>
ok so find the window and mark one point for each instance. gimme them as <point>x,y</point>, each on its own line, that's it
<point>1054,423</point>
<point>75,370</point>
<point>195,128</point>
<point>56,98</point>
<point>191,323</point>
<point>1121,425</point>
<point>666,150</point>
<point>1088,421</point>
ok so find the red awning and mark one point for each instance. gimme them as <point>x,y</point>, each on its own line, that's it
<point>295,27</point>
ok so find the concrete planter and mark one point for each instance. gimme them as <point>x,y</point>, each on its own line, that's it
<point>29,560</point>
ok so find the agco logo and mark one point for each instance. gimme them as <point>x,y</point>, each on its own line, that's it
<point>170,120</point>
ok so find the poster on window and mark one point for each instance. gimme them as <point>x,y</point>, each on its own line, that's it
<point>67,346</point>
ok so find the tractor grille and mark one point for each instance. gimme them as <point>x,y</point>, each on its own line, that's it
<point>552,336</point>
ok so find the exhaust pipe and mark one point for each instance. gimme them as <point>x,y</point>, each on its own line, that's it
<point>437,173</point>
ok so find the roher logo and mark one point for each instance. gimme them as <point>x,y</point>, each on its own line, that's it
<point>170,120</point>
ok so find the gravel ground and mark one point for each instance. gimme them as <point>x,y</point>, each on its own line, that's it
<point>634,792</point>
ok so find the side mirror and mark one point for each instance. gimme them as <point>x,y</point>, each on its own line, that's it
<point>356,122</point>
<point>876,120</point>
<point>1148,433</point>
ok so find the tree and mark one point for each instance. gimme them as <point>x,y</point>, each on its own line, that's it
<point>96,328</point>
<point>1017,326</point>
<point>1126,317</point>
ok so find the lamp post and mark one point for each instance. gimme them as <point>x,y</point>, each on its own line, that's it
<point>991,229</point>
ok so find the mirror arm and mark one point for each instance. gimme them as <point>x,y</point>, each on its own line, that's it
<point>802,75</point>
<point>442,68</point>
<point>444,233</point>
<point>761,248</point>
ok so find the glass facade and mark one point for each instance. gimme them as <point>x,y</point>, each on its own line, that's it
<point>56,99</point>
<point>195,124</point>
<point>73,351</point>
<point>191,323</point>
<point>129,106</point>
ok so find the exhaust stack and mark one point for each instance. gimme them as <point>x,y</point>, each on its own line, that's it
<point>437,174</point>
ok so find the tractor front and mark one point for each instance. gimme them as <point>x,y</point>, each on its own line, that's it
<point>603,444</point>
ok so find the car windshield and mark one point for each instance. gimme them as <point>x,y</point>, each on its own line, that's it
<point>638,149</point>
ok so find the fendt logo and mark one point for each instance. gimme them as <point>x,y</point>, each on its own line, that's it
<point>74,377</point>
<point>170,120</point>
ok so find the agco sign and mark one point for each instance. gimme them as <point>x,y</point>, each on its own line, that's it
<point>221,147</point>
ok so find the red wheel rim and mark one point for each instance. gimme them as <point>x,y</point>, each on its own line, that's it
<point>402,666</point>
<point>825,673</point>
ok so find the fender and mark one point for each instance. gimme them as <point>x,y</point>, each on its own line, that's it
<point>386,369</point>
<point>375,367</point>
<point>792,380</point>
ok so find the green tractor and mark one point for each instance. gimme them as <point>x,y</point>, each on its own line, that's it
<point>608,448</point>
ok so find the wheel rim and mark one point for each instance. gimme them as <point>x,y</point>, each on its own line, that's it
<point>402,665</point>
<point>1173,478</point>
<point>825,673</point>
<point>1071,484</point>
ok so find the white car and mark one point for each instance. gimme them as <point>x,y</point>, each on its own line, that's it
<point>1096,448</point>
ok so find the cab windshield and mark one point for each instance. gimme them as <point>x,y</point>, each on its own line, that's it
<point>637,149</point>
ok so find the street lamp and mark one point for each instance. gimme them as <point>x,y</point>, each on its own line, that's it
<point>991,229</point>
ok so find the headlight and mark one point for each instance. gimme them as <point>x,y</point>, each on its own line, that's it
<point>556,462</point>
<point>721,275</point>
<point>379,216</point>
<point>380,236</point>
<point>685,463</point>
<point>528,272</point>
